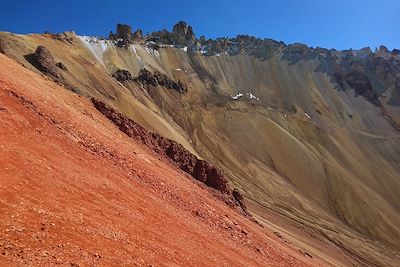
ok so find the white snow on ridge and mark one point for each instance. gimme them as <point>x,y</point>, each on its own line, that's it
<point>308,116</point>
<point>96,46</point>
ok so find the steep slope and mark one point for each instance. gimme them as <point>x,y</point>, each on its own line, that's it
<point>77,191</point>
<point>310,134</point>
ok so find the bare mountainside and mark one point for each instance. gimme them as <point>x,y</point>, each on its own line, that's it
<point>307,133</point>
<point>77,191</point>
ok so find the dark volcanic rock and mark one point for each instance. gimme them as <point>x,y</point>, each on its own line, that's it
<point>181,157</point>
<point>147,78</point>
<point>43,60</point>
<point>123,76</point>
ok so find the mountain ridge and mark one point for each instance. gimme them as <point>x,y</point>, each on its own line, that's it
<point>301,134</point>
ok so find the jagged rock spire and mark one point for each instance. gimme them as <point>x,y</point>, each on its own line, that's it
<point>183,30</point>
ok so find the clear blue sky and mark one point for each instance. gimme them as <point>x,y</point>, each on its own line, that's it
<point>336,24</point>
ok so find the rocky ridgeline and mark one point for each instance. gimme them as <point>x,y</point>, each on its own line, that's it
<point>369,73</point>
<point>201,170</point>
<point>147,78</point>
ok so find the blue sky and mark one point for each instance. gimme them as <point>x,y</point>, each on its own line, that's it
<point>331,24</point>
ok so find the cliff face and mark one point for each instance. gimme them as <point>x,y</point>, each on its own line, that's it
<point>310,133</point>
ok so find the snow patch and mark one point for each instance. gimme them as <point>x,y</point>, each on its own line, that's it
<point>308,116</point>
<point>97,47</point>
<point>251,96</point>
<point>152,52</point>
<point>237,96</point>
<point>248,95</point>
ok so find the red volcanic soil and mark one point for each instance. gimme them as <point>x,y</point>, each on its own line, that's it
<point>76,191</point>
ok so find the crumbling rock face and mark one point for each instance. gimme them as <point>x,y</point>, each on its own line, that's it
<point>43,60</point>
<point>368,73</point>
<point>147,78</point>
<point>182,158</point>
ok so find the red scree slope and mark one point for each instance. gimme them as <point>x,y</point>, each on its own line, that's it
<point>75,190</point>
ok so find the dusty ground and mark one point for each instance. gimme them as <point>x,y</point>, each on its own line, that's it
<point>76,191</point>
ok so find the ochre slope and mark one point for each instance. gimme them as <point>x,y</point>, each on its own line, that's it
<point>75,190</point>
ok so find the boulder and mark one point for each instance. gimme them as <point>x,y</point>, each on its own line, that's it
<point>44,61</point>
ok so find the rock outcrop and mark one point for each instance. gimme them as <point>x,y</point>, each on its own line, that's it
<point>63,37</point>
<point>182,158</point>
<point>147,78</point>
<point>44,61</point>
<point>124,35</point>
<point>123,76</point>
<point>183,33</point>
